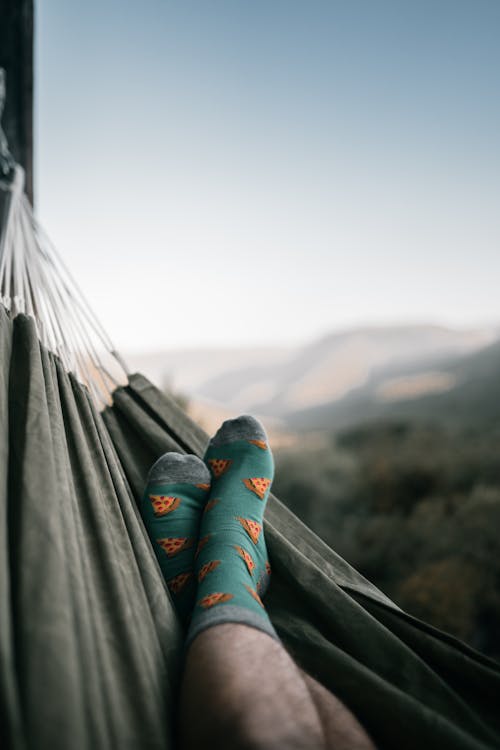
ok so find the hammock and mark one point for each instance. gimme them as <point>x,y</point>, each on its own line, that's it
<point>90,646</point>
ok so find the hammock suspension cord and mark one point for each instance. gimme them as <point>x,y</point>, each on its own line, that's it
<point>35,281</point>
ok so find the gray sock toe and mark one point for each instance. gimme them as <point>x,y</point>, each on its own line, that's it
<point>177,468</point>
<point>245,427</point>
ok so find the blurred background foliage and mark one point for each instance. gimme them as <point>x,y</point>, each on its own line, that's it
<point>415,507</point>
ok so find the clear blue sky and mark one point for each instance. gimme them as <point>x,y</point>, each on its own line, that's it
<point>234,172</point>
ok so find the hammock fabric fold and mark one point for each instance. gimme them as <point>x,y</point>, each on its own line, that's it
<point>91,650</point>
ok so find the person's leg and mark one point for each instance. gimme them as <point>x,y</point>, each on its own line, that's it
<point>172,505</point>
<point>241,690</point>
<point>341,728</point>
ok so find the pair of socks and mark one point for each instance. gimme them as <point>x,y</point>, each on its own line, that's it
<point>205,522</point>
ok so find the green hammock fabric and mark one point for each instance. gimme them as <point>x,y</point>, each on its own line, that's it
<point>90,645</point>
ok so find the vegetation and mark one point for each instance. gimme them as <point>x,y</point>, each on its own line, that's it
<point>415,507</point>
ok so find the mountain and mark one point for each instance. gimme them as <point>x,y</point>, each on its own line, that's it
<point>279,382</point>
<point>187,370</point>
<point>462,390</point>
<point>328,369</point>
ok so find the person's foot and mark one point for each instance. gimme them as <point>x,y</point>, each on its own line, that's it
<point>231,559</point>
<point>173,502</point>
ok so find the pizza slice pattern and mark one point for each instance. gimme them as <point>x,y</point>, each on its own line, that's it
<point>219,466</point>
<point>252,528</point>
<point>258,485</point>
<point>264,577</point>
<point>211,504</point>
<point>210,600</point>
<point>255,595</point>
<point>258,568</point>
<point>173,545</point>
<point>259,443</point>
<point>177,584</point>
<point>163,504</point>
<point>201,544</point>
<point>207,568</point>
<point>248,560</point>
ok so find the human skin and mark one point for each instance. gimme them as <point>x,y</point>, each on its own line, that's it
<point>242,691</point>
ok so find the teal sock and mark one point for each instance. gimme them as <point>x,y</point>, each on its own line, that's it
<point>173,502</point>
<point>231,560</point>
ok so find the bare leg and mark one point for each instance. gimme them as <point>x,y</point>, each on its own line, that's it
<point>341,728</point>
<point>241,690</point>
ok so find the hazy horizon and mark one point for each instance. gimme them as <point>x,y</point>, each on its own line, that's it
<point>236,175</point>
<point>493,328</point>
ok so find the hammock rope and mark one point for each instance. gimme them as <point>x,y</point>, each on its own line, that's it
<point>35,281</point>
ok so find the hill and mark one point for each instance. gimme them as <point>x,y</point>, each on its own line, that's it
<point>275,382</point>
<point>465,390</point>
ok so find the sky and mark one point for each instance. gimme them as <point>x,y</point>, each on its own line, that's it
<point>236,173</point>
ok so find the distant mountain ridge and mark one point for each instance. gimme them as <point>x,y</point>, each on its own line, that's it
<point>467,394</point>
<point>328,369</point>
<point>382,364</point>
